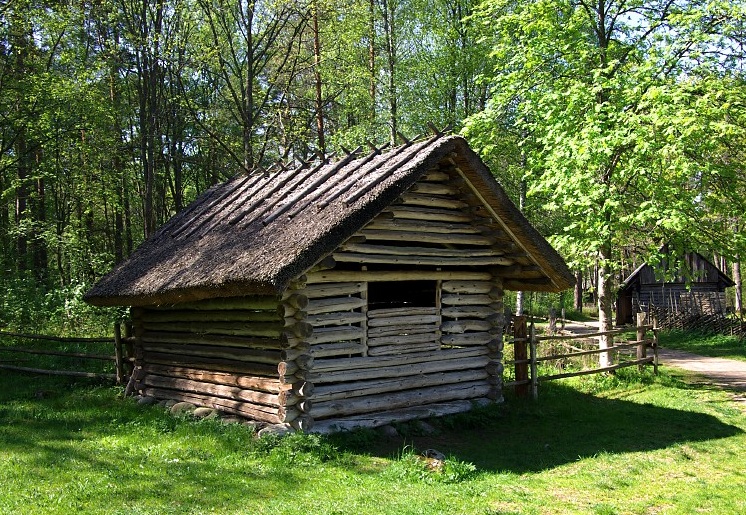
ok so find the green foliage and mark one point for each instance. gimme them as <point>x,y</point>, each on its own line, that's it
<point>411,467</point>
<point>296,449</point>
<point>28,306</point>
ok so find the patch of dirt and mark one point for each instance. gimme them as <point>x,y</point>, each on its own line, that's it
<point>728,374</point>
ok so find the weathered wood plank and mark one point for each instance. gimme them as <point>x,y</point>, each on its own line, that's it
<point>267,303</point>
<point>229,353</point>
<point>216,364</point>
<point>470,287</point>
<point>352,257</point>
<point>467,339</point>
<point>407,398</point>
<point>218,390</point>
<point>260,329</point>
<point>344,318</point>
<point>392,416</point>
<point>263,384</point>
<point>462,326</point>
<point>406,311</point>
<point>225,315</point>
<point>467,300</point>
<point>377,386</point>
<point>318,291</point>
<point>423,213</point>
<point>220,340</point>
<point>423,236</point>
<point>424,188</point>
<point>329,365</point>
<point>414,199</point>
<point>401,329</point>
<point>334,304</point>
<point>410,348</point>
<point>394,250</point>
<point>333,276</point>
<point>416,226</point>
<point>325,350</point>
<point>468,311</point>
<point>405,340</point>
<point>417,320</point>
<point>335,334</point>
<point>403,370</point>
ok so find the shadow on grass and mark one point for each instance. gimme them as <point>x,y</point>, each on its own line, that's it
<point>82,442</point>
<point>518,437</point>
<point>563,426</point>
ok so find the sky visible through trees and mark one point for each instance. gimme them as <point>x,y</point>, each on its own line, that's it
<point>623,120</point>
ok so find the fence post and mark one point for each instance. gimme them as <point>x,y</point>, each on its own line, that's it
<point>118,352</point>
<point>641,348</point>
<point>552,321</point>
<point>520,353</point>
<point>534,372</point>
<point>655,350</point>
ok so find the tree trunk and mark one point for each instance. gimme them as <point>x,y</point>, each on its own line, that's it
<point>736,269</point>
<point>372,57</point>
<point>604,302</point>
<point>317,81</point>
<point>520,296</point>
<point>248,107</point>
<point>389,30</point>
<point>38,244</point>
<point>579,291</point>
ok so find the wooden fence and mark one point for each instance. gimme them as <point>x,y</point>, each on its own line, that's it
<point>527,359</point>
<point>122,356</point>
<point>690,320</point>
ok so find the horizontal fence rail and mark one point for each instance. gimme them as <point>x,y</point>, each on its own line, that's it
<point>526,356</point>
<point>122,357</point>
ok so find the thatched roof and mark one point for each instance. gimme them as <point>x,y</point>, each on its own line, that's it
<point>256,232</point>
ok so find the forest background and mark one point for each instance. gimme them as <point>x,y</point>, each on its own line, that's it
<point>617,125</point>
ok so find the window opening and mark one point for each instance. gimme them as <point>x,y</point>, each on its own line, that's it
<point>401,294</point>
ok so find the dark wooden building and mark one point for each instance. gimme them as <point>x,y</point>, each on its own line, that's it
<point>353,293</point>
<point>697,287</point>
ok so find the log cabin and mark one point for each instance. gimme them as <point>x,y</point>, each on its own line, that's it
<point>697,287</point>
<point>346,294</point>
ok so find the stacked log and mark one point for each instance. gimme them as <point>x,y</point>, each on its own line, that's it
<point>403,330</point>
<point>336,312</point>
<point>246,356</point>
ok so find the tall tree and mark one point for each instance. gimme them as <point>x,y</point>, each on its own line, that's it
<point>609,92</point>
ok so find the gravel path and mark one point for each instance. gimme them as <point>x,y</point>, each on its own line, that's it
<point>725,373</point>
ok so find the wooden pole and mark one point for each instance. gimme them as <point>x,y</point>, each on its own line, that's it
<point>534,372</point>
<point>641,349</point>
<point>520,346</point>
<point>118,353</point>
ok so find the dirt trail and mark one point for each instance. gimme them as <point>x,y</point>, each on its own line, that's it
<point>725,373</point>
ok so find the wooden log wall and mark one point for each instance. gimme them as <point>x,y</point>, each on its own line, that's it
<point>392,361</point>
<point>244,356</point>
<point>677,298</point>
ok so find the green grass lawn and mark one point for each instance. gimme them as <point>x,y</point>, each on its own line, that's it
<point>629,443</point>
<point>718,346</point>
